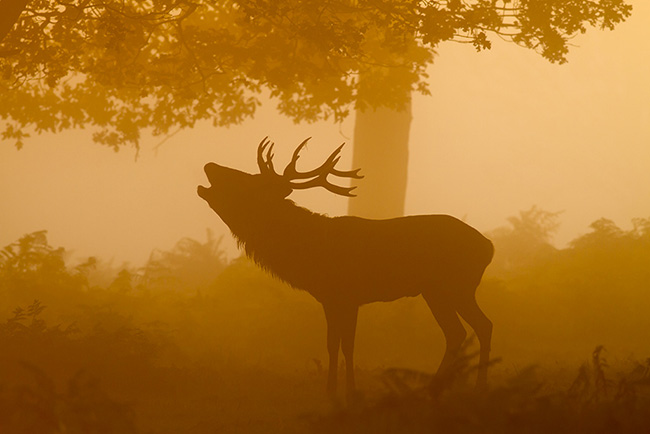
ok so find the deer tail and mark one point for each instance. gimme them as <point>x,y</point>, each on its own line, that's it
<point>489,252</point>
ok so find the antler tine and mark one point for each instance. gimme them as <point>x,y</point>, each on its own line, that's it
<point>321,181</point>
<point>260,155</point>
<point>269,158</point>
<point>347,173</point>
<point>290,171</point>
<point>264,162</point>
<point>337,189</point>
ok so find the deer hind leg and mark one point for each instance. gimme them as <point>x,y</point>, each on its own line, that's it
<point>444,311</point>
<point>472,313</point>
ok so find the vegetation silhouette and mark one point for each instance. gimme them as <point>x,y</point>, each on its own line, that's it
<point>593,403</point>
<point>346,262</point>
<point>127,348</point>
<point>65,66</point>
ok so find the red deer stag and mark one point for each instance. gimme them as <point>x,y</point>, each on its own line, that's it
<point>345,262</point>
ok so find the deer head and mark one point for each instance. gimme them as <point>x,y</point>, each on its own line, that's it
<point>232,187</point>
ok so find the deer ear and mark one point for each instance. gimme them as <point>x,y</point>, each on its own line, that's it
<point>279,187</point>
<point>284,190</point>
<point>272,187</point>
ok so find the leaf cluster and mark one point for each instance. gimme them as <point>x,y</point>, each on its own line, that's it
<point>126,66</point>
<point>31,266</point>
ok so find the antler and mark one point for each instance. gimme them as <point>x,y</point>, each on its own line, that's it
<point>316,177</point>
<point>320,173</point>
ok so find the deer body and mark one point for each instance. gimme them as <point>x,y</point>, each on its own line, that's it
<point>360,260</point>
<point>345,262</point>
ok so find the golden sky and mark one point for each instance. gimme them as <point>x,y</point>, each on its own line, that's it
<point>503,130</point>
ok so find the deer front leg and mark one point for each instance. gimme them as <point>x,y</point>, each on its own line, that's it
<point>349,326</point>
<point>341,328</point>
<point>333,344</point>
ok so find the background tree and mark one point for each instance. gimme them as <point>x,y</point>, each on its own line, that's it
<point>526,241</point>
<point>190,266</point>
<point>159,65</point>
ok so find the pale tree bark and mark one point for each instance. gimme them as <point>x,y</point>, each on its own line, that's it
<point>381,140</point>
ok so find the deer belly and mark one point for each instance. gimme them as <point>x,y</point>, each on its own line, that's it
<point>387,284</point>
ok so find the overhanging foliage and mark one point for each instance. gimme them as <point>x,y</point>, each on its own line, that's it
<point>125,66</point>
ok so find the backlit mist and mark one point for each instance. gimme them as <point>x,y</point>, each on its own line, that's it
<point>503,130</point>
<point>128,306</point>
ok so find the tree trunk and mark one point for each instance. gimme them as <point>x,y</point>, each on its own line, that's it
<point>10,11</point>
<point>381,139</point>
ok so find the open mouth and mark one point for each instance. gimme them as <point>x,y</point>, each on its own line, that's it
<point>202,190</point>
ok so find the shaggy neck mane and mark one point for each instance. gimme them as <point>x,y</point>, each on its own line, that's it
<point>277,236</point>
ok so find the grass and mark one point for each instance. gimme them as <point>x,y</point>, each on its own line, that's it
<point>218,396</point>
<point>523,402</point>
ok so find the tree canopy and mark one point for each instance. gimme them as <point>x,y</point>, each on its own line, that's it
<point>124,66</point>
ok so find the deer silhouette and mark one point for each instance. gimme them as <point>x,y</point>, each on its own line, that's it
<point>345,262</point>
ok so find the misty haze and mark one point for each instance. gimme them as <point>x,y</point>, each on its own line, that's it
<point>324,217</point>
